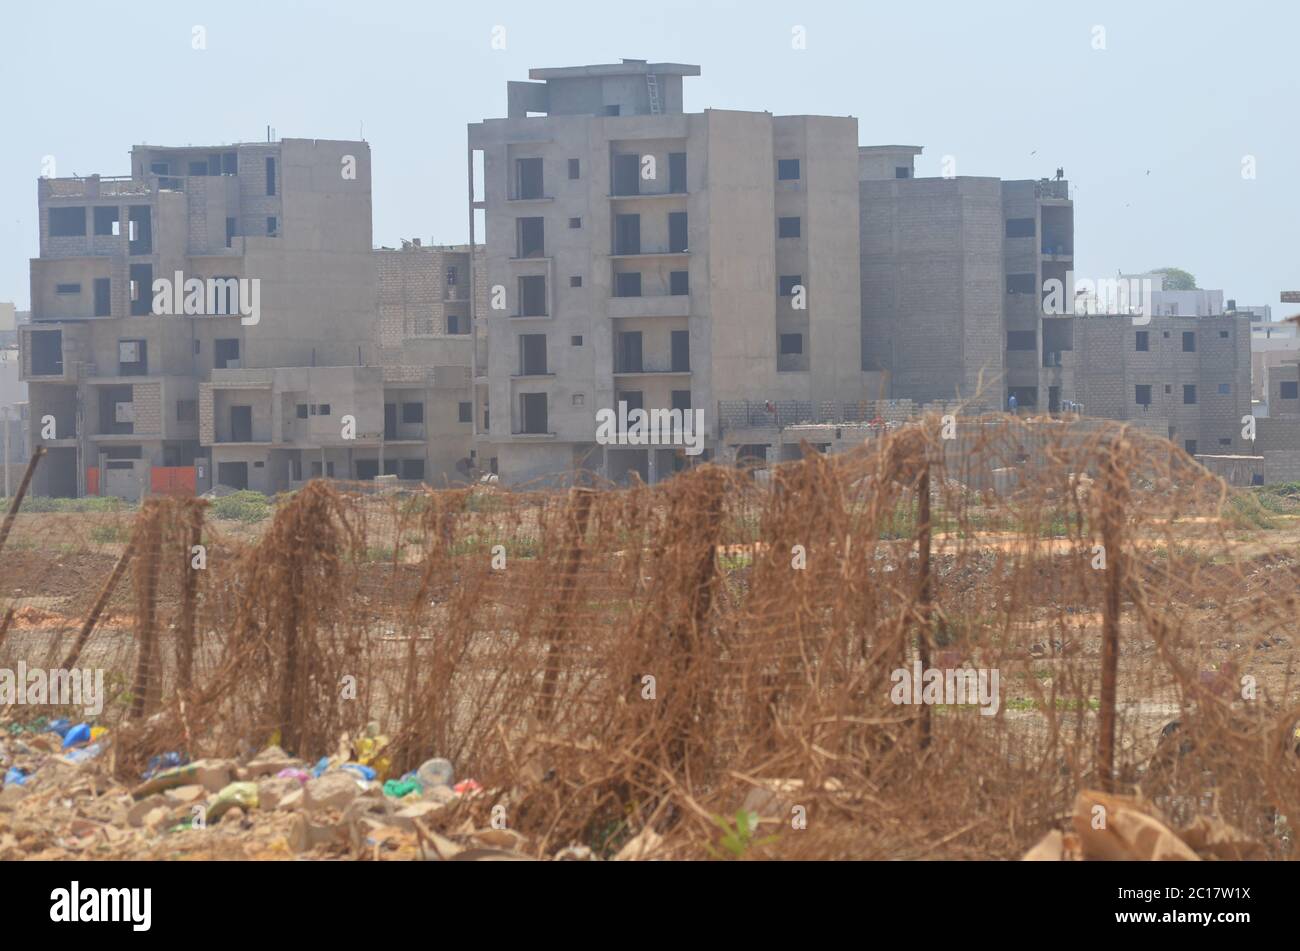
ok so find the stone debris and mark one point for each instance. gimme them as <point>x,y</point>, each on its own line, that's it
<point>61,803</point>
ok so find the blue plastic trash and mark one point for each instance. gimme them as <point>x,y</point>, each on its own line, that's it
<point>164,761</point>
<point>16,776</point>
<point>78,734</point>
<point>321,765</point>
<point>85,753</point>
<point>60,727</point>
<point>365,772</point>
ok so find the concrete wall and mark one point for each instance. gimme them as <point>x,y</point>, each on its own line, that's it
<point>932,284</point>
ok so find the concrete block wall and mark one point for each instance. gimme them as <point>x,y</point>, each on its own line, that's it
<point>1281,465</point>
<point>146,402</point>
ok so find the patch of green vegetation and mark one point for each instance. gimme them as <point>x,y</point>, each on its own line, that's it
<point>1062,703</point>
<point>93,503</point>
<point>735,840</point>
<point>1280,499</point>
<point>521,546</point>
<point>109,534</point>
<point>242,506</point>
<point>1248,511</point>
<point>729,562</point>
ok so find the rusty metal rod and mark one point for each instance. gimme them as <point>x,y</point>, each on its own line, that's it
<point>101,602</point>
<point>12,514</point>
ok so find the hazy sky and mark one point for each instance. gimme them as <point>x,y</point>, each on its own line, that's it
<point>1151,131</point>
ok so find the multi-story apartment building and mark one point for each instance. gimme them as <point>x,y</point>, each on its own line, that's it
<point>639,254</point>
<point>131,395</point>
<point>952,272</point>
<point>1185,378</point>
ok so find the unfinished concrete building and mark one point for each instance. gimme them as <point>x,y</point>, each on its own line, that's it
<point>636,253</point>
<point>952,271</point>
<point>267,306</point>
<point>1184,378</point>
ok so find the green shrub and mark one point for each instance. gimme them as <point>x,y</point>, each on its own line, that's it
<point>242,506</point>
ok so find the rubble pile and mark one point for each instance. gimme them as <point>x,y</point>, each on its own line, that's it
<point>60,800</point>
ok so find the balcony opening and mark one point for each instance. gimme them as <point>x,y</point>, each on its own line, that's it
<point>1021,227</point>
<point>390,420</point>
<point>1142,394</point>
<point>47,352</point>
<point>107,221</point>
<point>225,353</point>
<point>635,399</point>
<point>132,358</point>
<point>1021,340</point>
<point>677,231</point>
<point>681,344</point>
<point>677,173</point>
<point>116,410</point>
<point>234,475</point>
<point>627,284</point>
<point>532,354</point>
<point>141,289</point>
<point>241,424</point>
<point>626,170</point>
<point>532,296</point>
<point>530,238</point>
<point>1058,230</point>
<point>67,222</point>
<point>790,353</point>
<point>1020,284</point>
<point>627,234</point>
<point>103,297</point>
<point>681,400</point>
<point>532,413</point>
<point>528,178</point>
<point>139,230</point>
<point>629,352</point>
